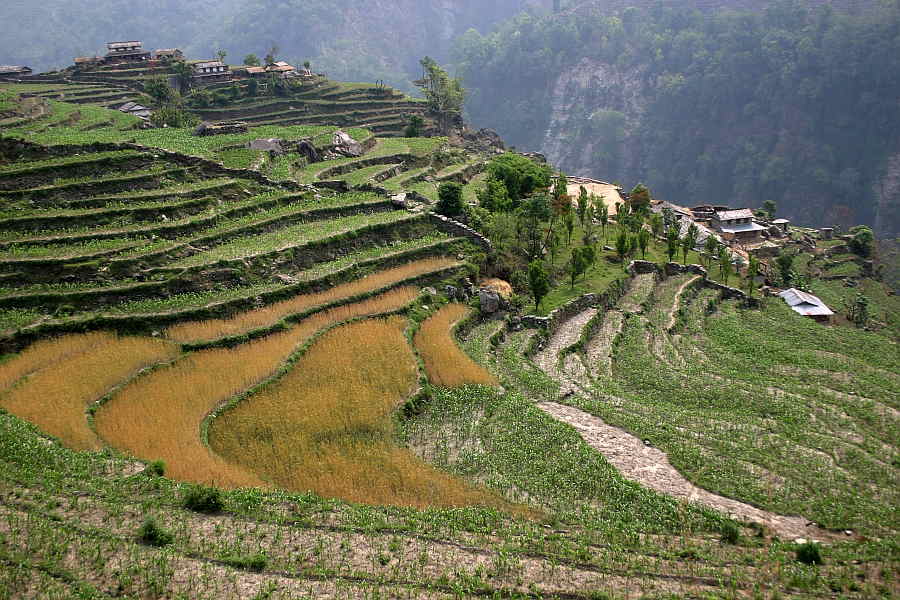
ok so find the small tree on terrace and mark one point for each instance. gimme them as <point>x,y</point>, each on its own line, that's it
<point>445,94</point>
<point>158,89</point>
<point>602,215</point>
<point>184,75</point>
<point>414,126</point>
<point>569,222</point>
<point>687,244</point>
<point>538,282</point>
<point>622,245</point>
<point>770,207</point>
<point>579,263</point>
<point>251,60</point>
<point>672,242</point>
<point>450,199</point>
<point>785,264</point>
<point>493,196</point>
<point>643,241</point>
<point>656,224</point>
<point>221,54</point>
<point>271,57</point>
<point>710,248</point>
<point>583,203</point>
<point>724,264</point>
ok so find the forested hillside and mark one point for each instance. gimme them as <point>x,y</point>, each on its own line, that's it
<point>792,103</point>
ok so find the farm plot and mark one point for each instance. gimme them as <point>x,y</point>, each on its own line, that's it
<point>55,382</point>
<point>199,331</point>
<point>159,416</point>
<point>326,425</point>
<point>445,364</point>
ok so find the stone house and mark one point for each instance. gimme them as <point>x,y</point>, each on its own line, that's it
<point>169,54</point>
<point>211,71</point>
<point>738,225</point>
<point>118,52</point>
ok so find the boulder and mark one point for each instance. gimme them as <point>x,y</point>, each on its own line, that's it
<point>346,145</point>
<point>307,149</point>
<point>490,300</point>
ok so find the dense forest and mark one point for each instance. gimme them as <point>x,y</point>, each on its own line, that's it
<point>794,103</point>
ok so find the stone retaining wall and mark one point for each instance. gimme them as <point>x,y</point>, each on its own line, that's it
<point>456,228</point>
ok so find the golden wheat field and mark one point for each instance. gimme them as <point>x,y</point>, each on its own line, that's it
<point>326,426</point>
<point>159,416</point>
<point>445,364</point>
<point>64,376</point>
<point>201,331</point>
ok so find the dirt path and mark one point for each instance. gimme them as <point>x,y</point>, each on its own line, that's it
<point>650,467</point>
<point>569,332</point>
<point>676,302</point>
<point>641,287</point>
<point>599,347</point>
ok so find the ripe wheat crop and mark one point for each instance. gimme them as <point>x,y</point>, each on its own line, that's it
<point>62,377</point>
<point>159,416</point>
<point>445,364</point>
<point>200,331</point>
<point>326,426</point>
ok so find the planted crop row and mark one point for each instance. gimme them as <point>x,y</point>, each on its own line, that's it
<point>445,364</point>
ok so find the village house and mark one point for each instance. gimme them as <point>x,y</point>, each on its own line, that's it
<point>138,110</point>
<point>211,71</point>
<point>169,54</point>
<point>738,225</point>
<point>14,72</point>
<point>254,72</point>
<point>126,52</point>
<point>281,68</point>
<point>83,62</point>
<point>807,305</point>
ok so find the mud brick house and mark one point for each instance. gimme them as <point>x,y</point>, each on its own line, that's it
<point>738,225</point>
<point>211,71</point>
<point>14,72</point>
<point>119,52</point>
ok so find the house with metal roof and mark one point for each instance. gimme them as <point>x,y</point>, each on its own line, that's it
<point>738,225</point>
<point>126,52</point>
<point>209,71</point>
<point>807,305</point>
<point>14,71</point>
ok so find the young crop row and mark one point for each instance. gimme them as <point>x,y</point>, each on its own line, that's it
<point>327,424</point>
<point>53,383</point>
<point>159,416</point>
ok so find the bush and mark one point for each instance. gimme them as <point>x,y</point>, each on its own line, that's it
<point>450,199</point>
<point>731,534</point>
<point>250,562</point>
<point>809,554</point>
<point>156,468</point>
<point>152,534</point>
<point>203,499</point>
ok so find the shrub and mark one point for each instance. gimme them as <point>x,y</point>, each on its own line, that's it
<point>156,468</point>
<point>250,562</point>
<point>152,534</point>
<point>203,499</point>
<point>450,199</point>
<point>730,533</point>
<point>809,554</point>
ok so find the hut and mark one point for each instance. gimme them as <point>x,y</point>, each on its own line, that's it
<point>738,225</point>
<point>807,305</point>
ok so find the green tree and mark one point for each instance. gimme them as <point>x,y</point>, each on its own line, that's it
<point>622,245</point>
<point>643,241</point>
<point>521,175</point>
<point>221,54</point>
<point>689,241</point>
<point>578,264</point>
<point>863,241</point>
<point>445,95</point>
<point>770,207</point>
<point>414,126</point>
<point>493,196</point>
<point>602,215</point>
<point>252,87</point>
<point>450,199</point>
<point>583,202</point>
<point>158,89</point>
<point>785,264</point>
<point>656,224</point>
<point>251,60</point>
<point>569,223</point>
<point>858,311</point>
<point>535,211</point>
<point>184,75</point>
<point>752,272</point>
<point>639,198</point>
<point>538,282</point>
<point>724,264</point>
<point>272,56</point>
<point>710,248</point>
<point>672,243</point>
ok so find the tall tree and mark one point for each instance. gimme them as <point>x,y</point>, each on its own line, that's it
<point>538,281</point>
<point>445,94</point>
<point>643,241</point>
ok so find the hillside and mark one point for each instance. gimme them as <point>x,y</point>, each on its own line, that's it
<point>236,373</point>
<point>793,102</point>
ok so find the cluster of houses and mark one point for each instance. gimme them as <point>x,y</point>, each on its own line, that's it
<point>204,71</point>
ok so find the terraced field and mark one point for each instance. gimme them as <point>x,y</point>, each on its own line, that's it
<point>164,313</point>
